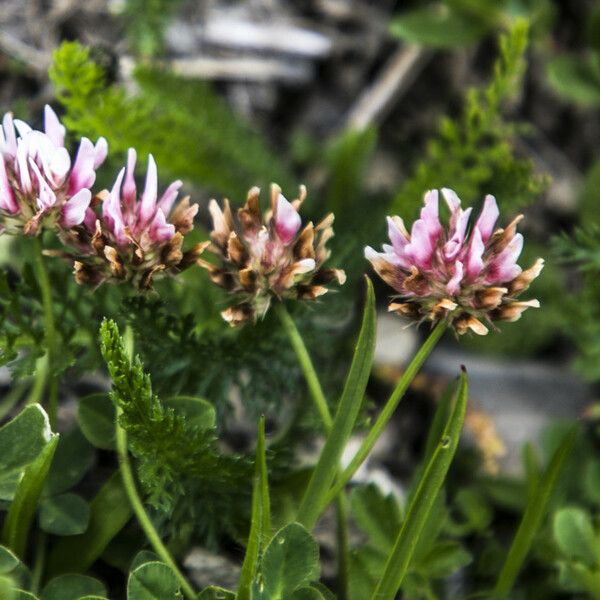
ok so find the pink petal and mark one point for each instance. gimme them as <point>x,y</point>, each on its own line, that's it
<point>90,219</point>
<point>474,258</point>
<point>22,128</point>
<point>504,267</point>
<point>7,199</point>
<point>23,168</point>
<point>100,152</point>
<point>46,197</point>
<point>287,220</point>
<point>420,248</point>
<point>458,227</point>
<point>168,198</point>
<point>487,218</point>
<point>160,230</point>
<point>148,203</point>
<point>129,189</point>
<point>453,286</point>
<point>430,215</point>
<point>53,128</point>
<point>83,174</point>
<point>451,198</point>
<point>111,209</point>
<point>397,234</point>
<point>304,266</point>
<point>74,211</point>
<point>9,132</point>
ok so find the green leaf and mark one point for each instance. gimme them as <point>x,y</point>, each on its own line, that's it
<point>575,536</point>
<point>214,592</point>
<point>533,516</point>
<point>377,515</point>
<point>24,595</point>
<point>109,512</point>
<point>72,459</point>
<point>22,439</point>
<point>444,559</point>
<point>143,557</point>
<point>8,561</point>
<point>424,499</point>
<point>23,507</point>
<point>437,26</point>
<point>291,561</point>
<point>260,524</point>
<point>307,593</point>
<point>72,587</point>
<point>7,588</point>
<point>96,415</point>
<point>575,78</point>
<point>592,481</point>
<point>198,413</point>
<point>67,514</point>
<point>347,412</point>
<point>153,581</point>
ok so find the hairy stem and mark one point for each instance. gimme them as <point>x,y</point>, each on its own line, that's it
<point>43,279</point>
<point>316,391</point>
<point>134,497</point>
<point>312,379</point>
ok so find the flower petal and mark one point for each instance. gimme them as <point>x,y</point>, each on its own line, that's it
<point>147,206</point>
<point>488,217</point>
<point>53,127</point>
<point>287,220</point>
<point>74,211</point>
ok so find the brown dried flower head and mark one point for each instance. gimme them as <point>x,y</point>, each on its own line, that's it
<point>261,257</point>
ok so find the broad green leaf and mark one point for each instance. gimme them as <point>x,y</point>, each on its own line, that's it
<point>198,412</point>
<point>24,595</point>
<point>96,416</point>
<point>291,561</point>
<point>72,587</point>
<point>23,507</point>
<point>7,588</point>
<point>260,524</point>
<point>423,500</point>
<point>533,516</point>
<point>8,486</point>
<point>592,481</point>
<point>153,581</point>
<point>314,500</point>
<point>216,593</point>
<point>575,536</point>
<point>22,439</point>
<point>67,514</point>
<point>109,512</point>
<point>143,557</point>
<point>437,26</point>
<point>575,78</point>
<point>8,561</point>
<point>73,457</point>
<point>575,577</point>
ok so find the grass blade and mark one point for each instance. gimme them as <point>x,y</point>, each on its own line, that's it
<point>260,525</point>
<point>533,517</point>
<point>423,499</point>
<point>345,417</point>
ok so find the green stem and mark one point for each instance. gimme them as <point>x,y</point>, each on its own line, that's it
<point>39,562</point>
<point>43,279</point>
<point>316,391</point>
<point>343,546</point>
<point>388,410</point>
<point>134,497</point>
<point>312,379</point>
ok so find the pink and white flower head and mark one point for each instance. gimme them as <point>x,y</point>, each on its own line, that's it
<point>466,275</point>
<point>138,237</point>
<point>38,183</point>
<point>265,257</point>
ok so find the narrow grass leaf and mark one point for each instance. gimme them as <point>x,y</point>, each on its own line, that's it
<point>533,517</point>
<point>423,500</point>
<point>345,418</point>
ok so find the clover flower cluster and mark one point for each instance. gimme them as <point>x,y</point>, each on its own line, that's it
<point>465,275</point>
<point>118,235</point>
<point>262,257</point>
<point>468,278</point>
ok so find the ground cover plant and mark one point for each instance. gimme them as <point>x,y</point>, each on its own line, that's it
<point>190,347</point>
